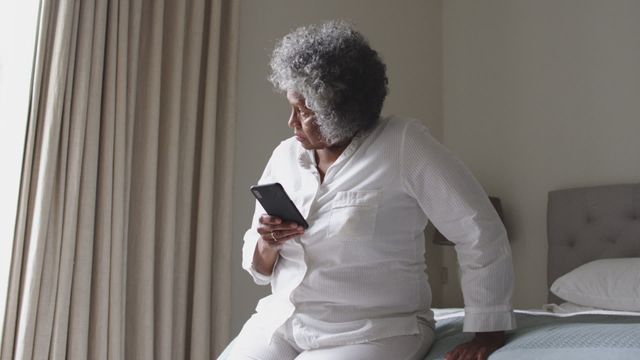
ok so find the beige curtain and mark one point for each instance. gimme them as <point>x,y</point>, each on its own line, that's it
<point>123,238</point>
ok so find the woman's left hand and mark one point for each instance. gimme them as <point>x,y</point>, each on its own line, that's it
<point>479,348</point>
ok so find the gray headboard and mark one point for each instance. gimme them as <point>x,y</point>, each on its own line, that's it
<point>585,224</point>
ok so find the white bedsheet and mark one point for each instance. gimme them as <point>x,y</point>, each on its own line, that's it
<point>562,310</point>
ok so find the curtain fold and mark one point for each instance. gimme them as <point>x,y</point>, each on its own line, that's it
<point>123,235</point>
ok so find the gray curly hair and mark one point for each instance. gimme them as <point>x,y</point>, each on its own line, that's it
<point>342,79</point>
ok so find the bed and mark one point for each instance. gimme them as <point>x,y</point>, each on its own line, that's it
<point>590,231</point>
<point>593,240</point>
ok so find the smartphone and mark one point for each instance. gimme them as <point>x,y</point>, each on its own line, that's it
<point>276,202</point>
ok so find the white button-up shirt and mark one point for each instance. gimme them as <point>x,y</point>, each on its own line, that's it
<point>358,272</point>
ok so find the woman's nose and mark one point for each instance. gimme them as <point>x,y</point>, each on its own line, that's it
<point>293,120</point>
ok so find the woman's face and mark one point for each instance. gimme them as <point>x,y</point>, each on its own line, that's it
<point>303,123</point>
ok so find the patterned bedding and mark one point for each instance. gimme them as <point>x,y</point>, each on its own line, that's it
<point>543,335</point>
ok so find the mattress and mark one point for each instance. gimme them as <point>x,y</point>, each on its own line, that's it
<point>544,335</point>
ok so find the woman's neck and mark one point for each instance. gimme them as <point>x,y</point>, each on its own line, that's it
<point>327,156</point>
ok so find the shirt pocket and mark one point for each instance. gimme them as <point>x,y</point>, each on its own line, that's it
<point>353,215</point>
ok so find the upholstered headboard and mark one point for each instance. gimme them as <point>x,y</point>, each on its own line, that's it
<point>585,224</point>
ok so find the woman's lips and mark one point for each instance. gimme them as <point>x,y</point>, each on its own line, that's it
<point>299,137</point>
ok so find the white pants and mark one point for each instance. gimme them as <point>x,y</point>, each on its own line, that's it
<point>252,344</point>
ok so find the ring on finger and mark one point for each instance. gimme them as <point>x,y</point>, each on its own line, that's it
<point>273,236</point>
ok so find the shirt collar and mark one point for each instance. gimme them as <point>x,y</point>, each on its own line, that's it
<point>306,157</point>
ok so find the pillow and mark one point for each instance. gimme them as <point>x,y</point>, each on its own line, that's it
<point>611,284</point>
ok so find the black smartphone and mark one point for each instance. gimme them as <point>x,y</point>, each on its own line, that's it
<point>276,202</point>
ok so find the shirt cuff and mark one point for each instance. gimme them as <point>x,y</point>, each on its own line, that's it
<point>480,320</point>
<point>248,251</point>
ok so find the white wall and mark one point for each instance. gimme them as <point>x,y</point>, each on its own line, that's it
<point>541,95</point>
<point>407,35</point>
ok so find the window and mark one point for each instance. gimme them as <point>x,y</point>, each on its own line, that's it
<point>18,22</point>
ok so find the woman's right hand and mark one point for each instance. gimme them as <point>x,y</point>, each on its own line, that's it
<point>274,232</point>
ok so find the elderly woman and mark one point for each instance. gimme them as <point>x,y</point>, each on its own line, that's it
<point>353,285</point>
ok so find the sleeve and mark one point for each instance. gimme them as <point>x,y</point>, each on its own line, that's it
<point>251,236</point>
<point>459,208</point>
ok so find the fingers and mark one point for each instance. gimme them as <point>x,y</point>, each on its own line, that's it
<point>468,351</point>
<point>281,230</point>
<point>276,223</point>
<point>274,231</point>
<point>482,354</point>
<point>286,227</point>
<point>272,220</point>
<point>267,219</point>
<point>454,354</point>
<point>281,236</point>
<point>275,239</point>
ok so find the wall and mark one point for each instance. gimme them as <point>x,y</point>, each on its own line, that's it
<point>538,96</point>
<point>406,34</point>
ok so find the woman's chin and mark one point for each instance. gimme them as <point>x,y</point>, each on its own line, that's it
<point>304,142</point>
